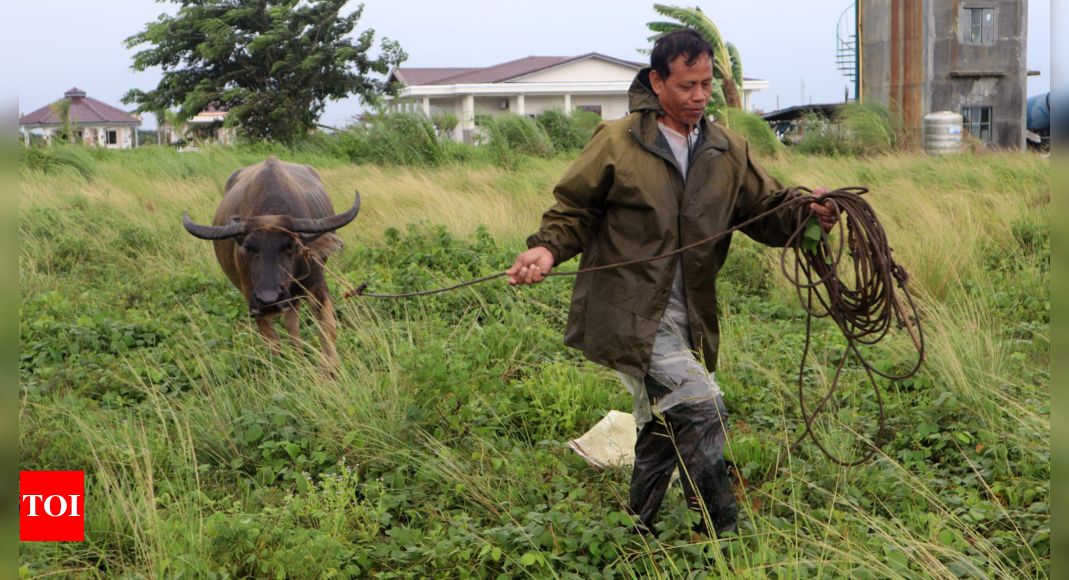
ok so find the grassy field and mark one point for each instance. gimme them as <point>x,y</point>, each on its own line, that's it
<point>438,451</point>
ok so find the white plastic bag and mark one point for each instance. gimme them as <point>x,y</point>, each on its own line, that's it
<point>610,443</point>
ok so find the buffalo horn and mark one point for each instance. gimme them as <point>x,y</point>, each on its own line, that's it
<point>212,232</point>
<point>307,226</point>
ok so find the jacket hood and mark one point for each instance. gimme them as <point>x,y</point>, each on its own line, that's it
<point>640,96</point>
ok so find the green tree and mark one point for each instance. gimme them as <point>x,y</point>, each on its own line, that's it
<point>272,64</point>
<point>727,65</point>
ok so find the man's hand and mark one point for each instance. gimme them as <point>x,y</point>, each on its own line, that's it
<point>531,266</point>
<point>826,211</point>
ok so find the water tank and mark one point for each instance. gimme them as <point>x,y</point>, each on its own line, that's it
<point>942,133</point>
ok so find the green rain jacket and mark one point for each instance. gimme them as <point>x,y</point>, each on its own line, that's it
<point>624,198</point>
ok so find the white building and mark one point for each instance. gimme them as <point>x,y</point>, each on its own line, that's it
<point>527,86</point>
<point>207,124</point>
<point>92,122</point>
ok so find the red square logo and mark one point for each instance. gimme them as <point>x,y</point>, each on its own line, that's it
<point>51,506</point>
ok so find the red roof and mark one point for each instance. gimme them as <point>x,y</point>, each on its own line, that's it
<point>427,76</point>
<point>84,111</point>
<point>492,74</point>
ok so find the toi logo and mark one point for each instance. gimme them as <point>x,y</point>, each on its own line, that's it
<point>51,506</point>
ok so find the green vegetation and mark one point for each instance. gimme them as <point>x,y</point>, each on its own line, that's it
<point>874,128</point>
<point>856,130</point>
<point>438,451</point>
<point>395,139</point>
<point>512,138</point>
<point>272,64</point>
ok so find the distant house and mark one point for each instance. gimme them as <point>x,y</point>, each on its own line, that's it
<point>205,124</point>
<point>92,122</point>
<point>527,86</point>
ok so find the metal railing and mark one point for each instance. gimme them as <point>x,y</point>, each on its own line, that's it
<point>846,43</point>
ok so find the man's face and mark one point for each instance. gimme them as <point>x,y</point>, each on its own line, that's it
<point>685,93</point>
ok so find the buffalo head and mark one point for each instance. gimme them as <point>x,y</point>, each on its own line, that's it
<point>267,248</point>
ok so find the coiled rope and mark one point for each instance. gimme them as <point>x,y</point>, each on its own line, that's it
<point>862,301</point>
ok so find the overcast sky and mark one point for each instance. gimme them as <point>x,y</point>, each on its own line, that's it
<point>59,44</point>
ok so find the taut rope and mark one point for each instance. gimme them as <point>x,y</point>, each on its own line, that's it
<point>864,311</point>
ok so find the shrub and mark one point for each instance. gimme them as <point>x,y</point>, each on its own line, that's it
<point>527,136</point>
<point>446,123</point>
<point>33,158</point>
<point>510,136</point>
<point>59,157</point>
<point>856,130</point>
<point>395,138</point>
<point>819,137</point>
<point>568,132</point>
<point>551,133</point>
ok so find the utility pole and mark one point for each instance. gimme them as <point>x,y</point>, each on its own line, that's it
<point>857,55</point>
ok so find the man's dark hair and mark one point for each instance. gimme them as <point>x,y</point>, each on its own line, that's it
<point>687,42</point>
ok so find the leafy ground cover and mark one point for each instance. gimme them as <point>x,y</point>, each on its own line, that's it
<point>438,450</point>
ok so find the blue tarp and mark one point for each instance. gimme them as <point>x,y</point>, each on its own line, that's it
<point>1038,108</point>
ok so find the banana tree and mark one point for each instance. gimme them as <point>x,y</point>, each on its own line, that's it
<point>727,64</point>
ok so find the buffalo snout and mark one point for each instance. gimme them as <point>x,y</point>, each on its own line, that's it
<point>268,301</point>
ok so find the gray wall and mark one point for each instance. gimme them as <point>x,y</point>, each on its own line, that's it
<point>876,50</point>
<point>914,56</point>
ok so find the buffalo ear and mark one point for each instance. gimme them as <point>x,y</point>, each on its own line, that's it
<point>323,244</point>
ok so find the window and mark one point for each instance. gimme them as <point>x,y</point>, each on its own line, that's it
<point>113,137</point>
<point>592,108</point>
<point>981,23</point>
<point>978,122</point>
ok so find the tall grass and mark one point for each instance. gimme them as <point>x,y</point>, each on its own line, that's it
<point>402,139</point>
<point>857,129</point>
<point>512,136</point>
<point>456,407</point>
<point>553,132</point>
<point>569,132</point>
<point>756,130</point>
<point>874,128</point>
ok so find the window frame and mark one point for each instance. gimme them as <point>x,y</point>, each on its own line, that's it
<point>980,125</point>
<point>111,137</point>
<point>982,31</point>
<point>596,109</point>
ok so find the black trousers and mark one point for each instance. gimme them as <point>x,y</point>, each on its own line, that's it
<point>690,434</point>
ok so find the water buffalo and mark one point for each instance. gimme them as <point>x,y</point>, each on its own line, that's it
<point>266,210</point>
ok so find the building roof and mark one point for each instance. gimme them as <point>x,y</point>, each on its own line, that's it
<point>798,111</point>
<point>426,76</point>
<point>83,111</point>
<point>497,73</point>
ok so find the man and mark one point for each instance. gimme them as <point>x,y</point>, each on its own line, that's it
<point>660,178</point>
